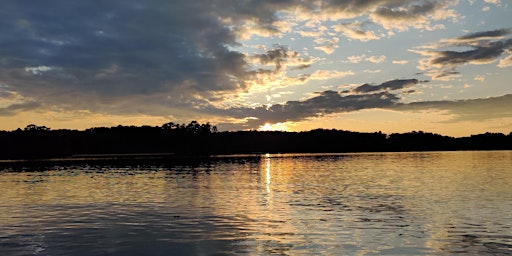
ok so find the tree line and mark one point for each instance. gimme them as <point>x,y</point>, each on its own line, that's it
<point>195,138</point>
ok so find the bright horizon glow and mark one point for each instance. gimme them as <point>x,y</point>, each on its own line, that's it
<point>269,127</point>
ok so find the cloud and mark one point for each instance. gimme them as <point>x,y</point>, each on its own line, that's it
<point>400,62</point>
<point>15,108</point>
<point>178,57</point>
<point>478,36</point>
<point>389,85</point>
<point>327,49</point>
<point>479,78</point>
<point>355,31</point>
<point>83,41</point>
<point>484,48</point>
<point>376,59</point>
<point>417,14</point>
<point>507,61</point>
<point>356,59</point>
<point>329,74</point>
<point>329,102</point>
<point>278,57</point>
<point>478,110</point>
<point>328,46</point>
<point>496,2</point>
<point>390,14</point>
<point>322,103</point>
<point>372,59</point>
<point>38,70</point>
<point>383,96</point>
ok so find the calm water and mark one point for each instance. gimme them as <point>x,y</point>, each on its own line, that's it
<point>437,203</point>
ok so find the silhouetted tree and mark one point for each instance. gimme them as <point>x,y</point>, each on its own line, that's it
<point>195,138</point>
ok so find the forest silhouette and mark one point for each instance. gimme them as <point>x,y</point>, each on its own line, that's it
<point>196,139</point>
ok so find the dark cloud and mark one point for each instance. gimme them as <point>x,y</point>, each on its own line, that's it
<point>389,85</point>
<point>368,97</point>
<point>326,102</point>
<point>408,10</point>
<point>100,50</point>
<point>492,34</point>
<point>278,57</point>
<point>149,57</point>
<point>485,47</point>
<point>120,47</point>
<point>483,53</point>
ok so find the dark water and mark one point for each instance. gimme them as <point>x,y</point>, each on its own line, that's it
<point>438,203</point>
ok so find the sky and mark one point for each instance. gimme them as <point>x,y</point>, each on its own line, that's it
<point>442,66</point>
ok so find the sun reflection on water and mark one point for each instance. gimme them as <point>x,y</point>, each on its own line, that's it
<point>400,203</point>
<point>267,173</point>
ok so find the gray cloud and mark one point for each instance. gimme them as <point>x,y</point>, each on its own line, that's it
<point>366,97</point>
<point>485,47</point>
<point>466,110</point>
<point>326,102</point>
<point>19,107</point>
<point>485,35</point>
<point>410,10</point>
<point>483,53</point>
<point>149,57</point>
<point>278,57</point>
<point>389,85</point>
<point>120,47</point>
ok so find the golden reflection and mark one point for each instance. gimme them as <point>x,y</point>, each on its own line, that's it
<point>272,202</point>
<point>267,172</point>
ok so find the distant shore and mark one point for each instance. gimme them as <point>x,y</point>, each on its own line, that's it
<point>197,139</point>
<point>121,155</point>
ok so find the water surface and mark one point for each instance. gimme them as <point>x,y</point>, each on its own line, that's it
<point>435,203</point>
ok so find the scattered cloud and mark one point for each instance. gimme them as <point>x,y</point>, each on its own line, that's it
<point>416,14</point>
<point>372,71</point>
<point>400,62</point>
<point>329,74</point>
<point>360,58</point>
<point>496,2</point>
<point>376,59</point>
<point>507,61</point>
<point>355,31</point>
<point>356,59</point>
<point>327,49</point>
<point>479,78</point>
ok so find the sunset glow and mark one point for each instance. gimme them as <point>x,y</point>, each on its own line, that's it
<point>267,127</point>
<point>259,65</point>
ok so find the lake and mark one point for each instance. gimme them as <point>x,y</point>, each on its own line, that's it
<point>411,203</point>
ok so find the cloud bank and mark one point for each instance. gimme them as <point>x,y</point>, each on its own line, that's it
<point>386,95</point>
